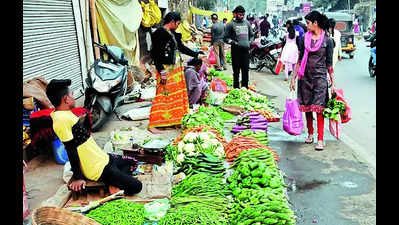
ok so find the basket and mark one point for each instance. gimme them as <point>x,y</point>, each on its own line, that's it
<point>49,215</point>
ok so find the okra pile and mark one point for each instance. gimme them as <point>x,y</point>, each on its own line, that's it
<point>118,212</point>
<point>257,189</point>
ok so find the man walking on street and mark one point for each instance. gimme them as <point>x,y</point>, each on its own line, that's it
<point>264,26</point>
<point>217,31</point>
<point>239,35</point>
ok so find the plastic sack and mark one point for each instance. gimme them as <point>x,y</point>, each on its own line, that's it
<point>156,13</point>
<point>156,209</point>
<point>212,57</point>
<point>60,154</point>
<point>292,118</point>
<point>219,85</point>
<point>335,128</point>
<point>348,112</point>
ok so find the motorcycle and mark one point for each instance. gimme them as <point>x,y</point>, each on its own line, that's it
<point>106,84</point>
<point>266,54</point>
<point>372,60</point>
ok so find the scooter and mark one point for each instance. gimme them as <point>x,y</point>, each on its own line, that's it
<point>372,60</point>
<point>268,55</point>
<point>106,84</point>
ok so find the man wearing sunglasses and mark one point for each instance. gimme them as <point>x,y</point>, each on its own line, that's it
<point>239,35</point>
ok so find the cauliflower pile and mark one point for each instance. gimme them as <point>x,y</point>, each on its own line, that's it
<point>195,142</point>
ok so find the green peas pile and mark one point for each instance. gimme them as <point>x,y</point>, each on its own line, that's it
<point>118,212</point>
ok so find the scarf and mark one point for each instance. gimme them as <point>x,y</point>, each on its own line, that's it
<point>308,48</point>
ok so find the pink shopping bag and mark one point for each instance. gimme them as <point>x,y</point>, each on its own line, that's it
<point>335,128</point>
<point>348,113</point>
<point>292,118</point>
<point>212,57</point>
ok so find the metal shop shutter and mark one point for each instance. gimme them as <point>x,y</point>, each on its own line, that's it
<point>50,42</point>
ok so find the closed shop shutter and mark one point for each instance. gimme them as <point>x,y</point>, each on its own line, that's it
<point>50,42</point>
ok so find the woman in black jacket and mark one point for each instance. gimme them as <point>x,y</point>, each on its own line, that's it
<point>171,101</point>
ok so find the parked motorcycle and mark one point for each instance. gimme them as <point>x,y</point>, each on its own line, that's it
<point>106,84</point>
<point>372,60</point>
<point>266,54</point>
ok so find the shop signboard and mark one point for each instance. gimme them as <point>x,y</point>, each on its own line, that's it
<point>306,8</point>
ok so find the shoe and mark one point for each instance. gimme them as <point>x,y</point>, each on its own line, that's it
<point>309,140</point>
<point>224,68</point>
<point>319,146</point>
<point>218,69</point>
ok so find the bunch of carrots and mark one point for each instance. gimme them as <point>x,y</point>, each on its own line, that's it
<point>241,143</point>
<point>268,115</point>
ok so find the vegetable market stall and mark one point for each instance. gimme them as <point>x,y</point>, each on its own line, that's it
<point>218,170</point>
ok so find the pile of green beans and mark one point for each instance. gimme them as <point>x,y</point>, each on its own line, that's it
<point>201,184</point>
<point>118,212</point>
<point>193,214</point>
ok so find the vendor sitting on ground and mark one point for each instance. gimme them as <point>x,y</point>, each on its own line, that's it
<point>87,159</point>
<point>196,86</point>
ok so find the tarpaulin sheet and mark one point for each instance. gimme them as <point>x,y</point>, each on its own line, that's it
<point>118,23</point>
<point>221,15</point>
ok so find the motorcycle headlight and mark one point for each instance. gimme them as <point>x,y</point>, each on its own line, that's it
<point>103,86</point>
<point>350,40</point>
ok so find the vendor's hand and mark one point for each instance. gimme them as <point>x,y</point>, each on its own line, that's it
<point>163,77</point>
<point>77,185</point>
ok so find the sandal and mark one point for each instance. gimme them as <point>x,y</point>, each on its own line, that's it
<point>319,147</point>
<point>309,140</point>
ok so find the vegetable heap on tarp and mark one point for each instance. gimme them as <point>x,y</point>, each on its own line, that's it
<point>257,187</point>
<point>222,76</point>
<point>118,212</point>
<point>250,120</point>
<point>248,100</point>
<point>205,116</point>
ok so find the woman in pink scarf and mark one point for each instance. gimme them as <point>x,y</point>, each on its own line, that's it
<point>315,60</point>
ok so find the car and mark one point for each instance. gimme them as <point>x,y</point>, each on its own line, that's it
<point>344,24</point>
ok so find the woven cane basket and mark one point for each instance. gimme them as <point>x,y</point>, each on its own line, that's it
<point>48,215</point>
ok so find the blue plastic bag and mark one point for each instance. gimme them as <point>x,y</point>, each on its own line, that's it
<point>60,154</point>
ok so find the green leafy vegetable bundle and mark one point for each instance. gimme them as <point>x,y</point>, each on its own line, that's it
<point>334,108</point>
<point>248,99</point>
<point>205,116</point>
<point>228,57</point>
<point>118,212</point>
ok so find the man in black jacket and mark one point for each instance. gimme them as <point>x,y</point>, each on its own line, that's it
<point>239,35</point>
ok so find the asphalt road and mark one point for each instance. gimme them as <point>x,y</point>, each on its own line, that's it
<point>360,90</point>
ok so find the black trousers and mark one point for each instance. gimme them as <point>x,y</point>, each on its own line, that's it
<point>117,173</point>
<point>240,62</point>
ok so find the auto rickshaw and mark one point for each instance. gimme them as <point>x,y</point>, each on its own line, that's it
<point>344,24</point>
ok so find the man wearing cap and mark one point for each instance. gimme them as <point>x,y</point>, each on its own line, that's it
<point>239,35</point>
<point>88,160</point>
<point>217,31</point>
